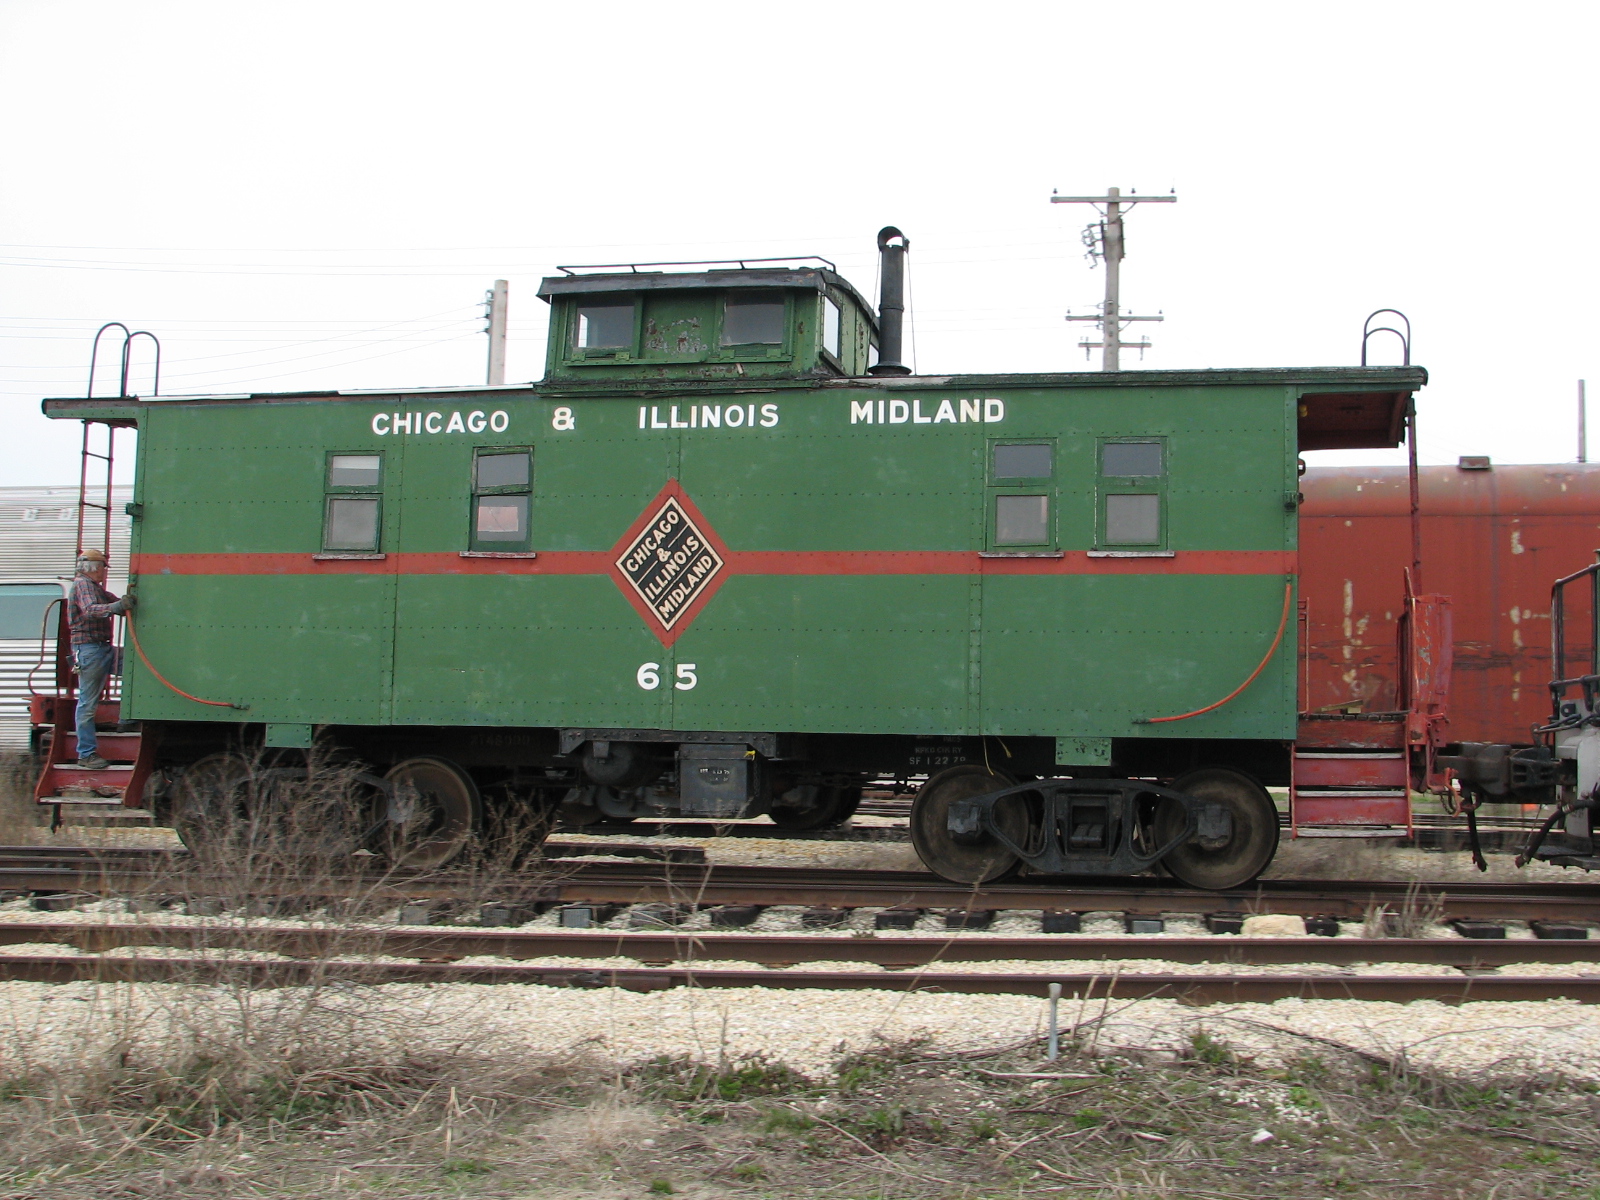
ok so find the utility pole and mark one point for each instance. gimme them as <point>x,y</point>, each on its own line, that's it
<point>1583,424</point>
<point>495,301</point>
<point>1105,241</point>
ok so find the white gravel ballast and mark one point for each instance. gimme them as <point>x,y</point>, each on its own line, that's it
<point>62,1025</point>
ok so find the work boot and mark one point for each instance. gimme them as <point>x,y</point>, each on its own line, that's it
<point>92,763</point>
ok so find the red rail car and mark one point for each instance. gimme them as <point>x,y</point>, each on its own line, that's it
<point>1493,539</point>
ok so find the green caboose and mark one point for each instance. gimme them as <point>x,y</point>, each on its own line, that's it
<point>719,562</point>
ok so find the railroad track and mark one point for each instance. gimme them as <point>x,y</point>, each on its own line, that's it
<point>441,943</point>
<point>319,955</point>
<point>1190,989</point>
<point>139,871</point>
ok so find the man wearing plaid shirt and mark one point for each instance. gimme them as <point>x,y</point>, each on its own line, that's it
<point>89,611</point>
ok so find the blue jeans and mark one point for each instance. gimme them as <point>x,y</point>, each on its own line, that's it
<point>94,666</point>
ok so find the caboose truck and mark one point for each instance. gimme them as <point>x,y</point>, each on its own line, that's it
<point>719,563</point>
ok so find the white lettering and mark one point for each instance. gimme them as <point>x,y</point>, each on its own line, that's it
<point>752,420</point>
<point>380,419</point>
<point>711,416</point>
<point>694,415</point>
<point>499,420</point>
<point>456,425</point>
<point>673,422</point>
<point>916,414</point>
<point>431,422</point>
<point>562,418</point>
<point>880,412</point>
<point>994,410</point>
<point>641,416</point>
<point>969,411</point>
<point>946,413</point>
<point>899,412</point>
<point>769,415</point>
<point>401,421</point>
<point>476,421</point>
<point>735,410</point>
<point>861,410</point>
<point>655,419</point>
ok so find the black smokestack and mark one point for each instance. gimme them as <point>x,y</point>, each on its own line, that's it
<point>892,246</point>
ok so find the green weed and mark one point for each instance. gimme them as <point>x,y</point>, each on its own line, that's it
<point>1204,1048</point>
<point>786,1120</point>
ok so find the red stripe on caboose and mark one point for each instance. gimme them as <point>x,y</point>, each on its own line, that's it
<point>740,562</point>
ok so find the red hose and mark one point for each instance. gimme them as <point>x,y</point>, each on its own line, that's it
<point>138,649</point>
<point>1283,623</point>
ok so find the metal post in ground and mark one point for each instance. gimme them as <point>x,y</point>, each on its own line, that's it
<point>1054,1049</point>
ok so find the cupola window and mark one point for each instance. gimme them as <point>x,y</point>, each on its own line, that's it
<point>753,321</point>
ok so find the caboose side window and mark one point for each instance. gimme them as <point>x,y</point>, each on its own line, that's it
<point>753,321</point>
<point>1021,491</point>
<point>353,503</point>
<point>502,483</point>
<point>1132,488</point>
<point>831,341</point>
<point>1021,520</point>
<point>604,327</point>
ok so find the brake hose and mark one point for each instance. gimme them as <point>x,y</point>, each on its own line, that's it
<point>1283,623</point>
<point>138,649</point>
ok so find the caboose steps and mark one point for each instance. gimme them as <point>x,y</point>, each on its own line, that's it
<point>1351,776</point>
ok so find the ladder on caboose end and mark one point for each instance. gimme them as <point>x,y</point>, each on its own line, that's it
<point>129,755</point>
<point>1354,773</point>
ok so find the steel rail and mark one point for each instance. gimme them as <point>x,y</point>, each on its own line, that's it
<point>1190,989</point>
<point>443,942</point>
<point>628,883</point>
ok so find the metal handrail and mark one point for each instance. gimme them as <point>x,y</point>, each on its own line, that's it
<point>704,262</point>
<point>1405,338</point>
<point>1558,637</point>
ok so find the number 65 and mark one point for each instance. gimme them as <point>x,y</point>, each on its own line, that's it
<point>649,677</point>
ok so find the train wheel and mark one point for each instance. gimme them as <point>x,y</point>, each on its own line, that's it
<point>208,802</point>
<point>981,861</point>
<point>834,807</point>
<point>434,812</point>
<point>1249,849</point>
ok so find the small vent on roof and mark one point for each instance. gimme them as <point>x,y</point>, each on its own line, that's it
<point>1475,462</point>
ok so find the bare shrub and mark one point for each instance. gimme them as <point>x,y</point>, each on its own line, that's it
<point>20,818</point>
<point>1413,916</point>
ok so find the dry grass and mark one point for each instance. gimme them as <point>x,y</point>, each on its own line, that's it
<point>277,1117</point>
<point>21,820</point>
<point>1414,915</point>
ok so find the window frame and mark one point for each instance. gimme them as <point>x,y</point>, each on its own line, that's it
<point>604,354</point>
<point>499,545</point>
<point>1021,485</point>
<point>830,355</point>
<point>1132,485</point>
<point>332,492</point>
<point>754,351</point>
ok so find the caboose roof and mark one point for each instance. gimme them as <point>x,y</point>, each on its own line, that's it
<point>1349,408</point>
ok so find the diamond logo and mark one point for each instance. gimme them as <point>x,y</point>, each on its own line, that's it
<point>670,565</point>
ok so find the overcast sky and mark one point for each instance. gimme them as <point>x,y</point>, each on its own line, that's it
<point>317,195</point>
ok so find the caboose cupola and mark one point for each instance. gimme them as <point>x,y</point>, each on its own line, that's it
<point>795,318</point>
